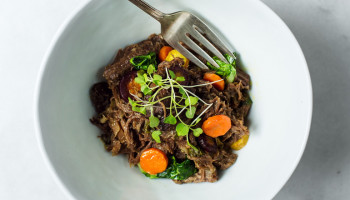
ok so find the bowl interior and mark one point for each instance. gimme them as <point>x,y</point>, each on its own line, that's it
<point>280,117</point>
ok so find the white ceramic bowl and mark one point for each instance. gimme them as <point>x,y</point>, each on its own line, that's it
<point>280,117</point>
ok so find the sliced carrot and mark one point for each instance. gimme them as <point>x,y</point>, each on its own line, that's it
<point>216,126</point>
<point>220,85</point>
<point>153,161</point>
<point>163,53</point>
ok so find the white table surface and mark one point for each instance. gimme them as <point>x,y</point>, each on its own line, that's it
<point>322,28</point>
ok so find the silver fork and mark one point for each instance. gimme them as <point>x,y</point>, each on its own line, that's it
<point>176,28</point>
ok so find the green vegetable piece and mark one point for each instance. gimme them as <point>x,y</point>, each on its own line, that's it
<point>182,129</point>
<point>153,121</point>
<point>172,74</point>
<point>179,171</point>
<point>180,78</point>
<point>151,176</point>
<point>139,61</point>
<point>143,61</point>
<point>226,70</point>
<point>218,61</point>
<point>197,132</point>
<point>229,58</point>
<point>191,101</point>
<point>231,77</point>
<point>170,120</point>
<point>190,112</point>
<point>155,136</point>
<point>183,170</point>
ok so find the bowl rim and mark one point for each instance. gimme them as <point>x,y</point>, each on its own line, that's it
<point>70,18</point>
<point>66,22</point>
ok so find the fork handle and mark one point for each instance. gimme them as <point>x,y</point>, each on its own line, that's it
<point>156,14</point>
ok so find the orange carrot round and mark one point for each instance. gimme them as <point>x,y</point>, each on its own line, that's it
<point>220,85</point>
<point>216,126</point>
<point>153,161</point>
<point>163,53</point>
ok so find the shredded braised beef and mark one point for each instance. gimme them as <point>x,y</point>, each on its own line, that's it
<point>127,132</point>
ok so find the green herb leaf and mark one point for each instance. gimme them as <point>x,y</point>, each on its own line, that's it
<point>136,108</point>
<point>191,101</point>
<point>141,110</point>
<point>159,83</point>
<point>132,102</point>
<point>195,149</point>
<point>145,77</point>
<point>180,78</point>
<point>197,132</point>
<point>182,91</point>
<point>151,69</point>
<point>140,73</point>
<point>140,80</point>
<point>155,136</point>
<point>146,90</point>
<point>157,77</point>
<point>197,121</point>
<point>172,74</point>
<point>182,129</point>
<point>153,121</point>
<point>190,112</point>
<point>170,120</point>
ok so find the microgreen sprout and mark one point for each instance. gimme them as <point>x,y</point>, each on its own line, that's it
<point>181,99</point>
<point>155,136</point>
